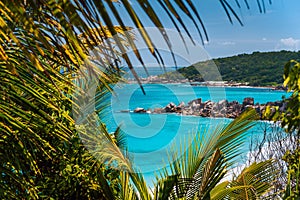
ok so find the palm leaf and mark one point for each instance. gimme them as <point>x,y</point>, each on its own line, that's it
<point>227,6</point>
<point>203,163</point>
<point>213,171</point>
<point>127,191</point>
<point>165,187</point>
<point>252,183</point>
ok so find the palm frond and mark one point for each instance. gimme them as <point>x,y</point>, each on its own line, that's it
<point>127,190</point>
<point>252,183</point>
<point>205,160</point>
<point>213,171</point>
<point>164,188</point>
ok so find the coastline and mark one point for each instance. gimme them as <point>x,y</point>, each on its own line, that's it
<point>207,84</point>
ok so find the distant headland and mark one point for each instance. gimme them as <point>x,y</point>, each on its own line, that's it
<point>259,69</point>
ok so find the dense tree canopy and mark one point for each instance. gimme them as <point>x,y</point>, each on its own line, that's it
<point>257,69</point>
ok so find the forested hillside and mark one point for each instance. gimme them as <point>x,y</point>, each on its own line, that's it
<point>258,69</point>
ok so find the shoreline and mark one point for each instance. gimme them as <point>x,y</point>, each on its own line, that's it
<point>240,85</point>
<point>177,114</point>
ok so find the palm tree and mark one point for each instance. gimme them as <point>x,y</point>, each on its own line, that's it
<point>44,46</point>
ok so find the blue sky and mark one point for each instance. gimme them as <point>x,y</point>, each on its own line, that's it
<point>277,29</point>
<point>274,30</point>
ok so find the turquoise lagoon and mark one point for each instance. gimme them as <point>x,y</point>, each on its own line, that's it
<point>152,137</point>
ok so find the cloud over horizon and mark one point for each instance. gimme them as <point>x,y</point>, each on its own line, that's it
<point>228,43</point>
<point>290,42</point>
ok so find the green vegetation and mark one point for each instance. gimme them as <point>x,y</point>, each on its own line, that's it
<point>257,69</point>
<point>44,52</point>
<point>291,122</point>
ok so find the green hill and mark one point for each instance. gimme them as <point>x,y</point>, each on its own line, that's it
<point>258,69</point>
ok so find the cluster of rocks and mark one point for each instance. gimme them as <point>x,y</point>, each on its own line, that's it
<point>222,108</point>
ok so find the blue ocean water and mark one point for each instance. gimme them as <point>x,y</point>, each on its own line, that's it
<point>152,137</point>
<point>152,70</point>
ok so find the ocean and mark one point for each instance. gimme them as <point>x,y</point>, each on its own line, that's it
<point>152,137</point>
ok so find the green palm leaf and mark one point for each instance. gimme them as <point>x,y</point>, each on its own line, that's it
<point>252,183</point>
<point>204,162</point>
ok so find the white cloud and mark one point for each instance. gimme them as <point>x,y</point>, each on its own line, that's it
<point>228,43</point>
<point>290,42</point>
<point>264,39</point>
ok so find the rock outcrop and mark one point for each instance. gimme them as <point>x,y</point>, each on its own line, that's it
<point>208,108</point>
<point>139,110</point>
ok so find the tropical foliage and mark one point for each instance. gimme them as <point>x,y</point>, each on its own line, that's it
<point>44,47</point>
<point>252,183</point>
<point>291,122</point>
